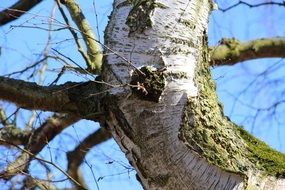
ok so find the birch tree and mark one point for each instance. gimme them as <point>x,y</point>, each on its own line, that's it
<point>152,92</point>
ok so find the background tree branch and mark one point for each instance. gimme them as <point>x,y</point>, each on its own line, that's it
<point>76,157</point>
<point>94,53</point>
<point>3,118</point>
<point>37,141</point>
<point>231,51</point>
<point>17,10</point>
<point>32,183</point>
<point>12,134</point>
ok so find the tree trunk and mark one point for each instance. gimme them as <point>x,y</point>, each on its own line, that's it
<point>166,116</point>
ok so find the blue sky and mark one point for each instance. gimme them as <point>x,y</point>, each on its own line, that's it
<point>263,90</point>
<point>22,46</point>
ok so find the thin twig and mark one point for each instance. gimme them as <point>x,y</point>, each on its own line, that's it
<point>43,160</point>
<point>251,5</point>
<point>74,34</point>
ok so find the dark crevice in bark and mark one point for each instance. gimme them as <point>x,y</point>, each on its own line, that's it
<point>111,106</point>
<point>149,84</point>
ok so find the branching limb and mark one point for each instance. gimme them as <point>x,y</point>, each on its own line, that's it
<point>232,51</point>
<point>93,48</point>
<point>56,98</point>
<point>32,96</point>
<point>37,141</point>
<point>17,10</point>
<point>76,157</point>
<point>43,161</point>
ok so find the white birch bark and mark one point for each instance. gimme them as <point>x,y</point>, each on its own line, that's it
<point>148,132</point>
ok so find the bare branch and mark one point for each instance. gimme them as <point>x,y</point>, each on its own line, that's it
<point>75,36</point>
<point>251,5</point>
<point>76,157</point>
<point>17,10</point>
<point>41,160</point>
<point>56,98</point>
<point>232,51</point>
<point>37,141</point>
<point>32,96</point>
<point>52,127</point>
<point>94,60</point>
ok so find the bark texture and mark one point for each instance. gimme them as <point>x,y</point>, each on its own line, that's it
<point>83,98</point>
<point>180,140</point>
<point>158,100</point>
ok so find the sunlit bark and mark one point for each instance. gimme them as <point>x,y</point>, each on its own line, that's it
<point>180,140</point>
<point>231,51</point>
<point>159,102</point>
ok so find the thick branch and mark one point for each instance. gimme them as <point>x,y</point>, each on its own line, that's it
<point>17,10</point>
<point>32,96</point>
<point>38,140</point>
<point>76,157</point>
<point>232,51</point>
<point>70,97</point>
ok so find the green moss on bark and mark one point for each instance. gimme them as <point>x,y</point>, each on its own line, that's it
<point>211,134</point>
<point>148,84</point>
<point>266,158</point>
<point>139,18</point>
